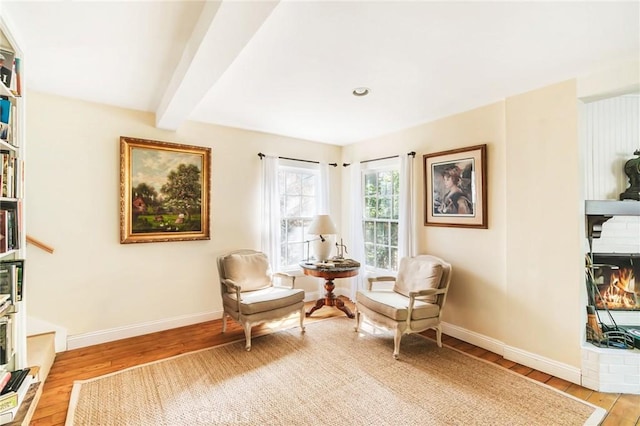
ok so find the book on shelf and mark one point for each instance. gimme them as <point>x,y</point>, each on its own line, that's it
<point>5,132</point>
<point>7,347</point>
<point>20,392</point>
<point>4,174</point>
<point>8,168</point>
<point>11,225</point>
<point>8,401</point>
<point>17,377</point>
<point>6,67</point>
<point>17,66</point>
<point>5,376</point>
<point>12,278</point>
<point>5,111</point>
<point>4,231</point>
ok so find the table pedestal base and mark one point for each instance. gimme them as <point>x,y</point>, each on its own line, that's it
<point>330,299</point>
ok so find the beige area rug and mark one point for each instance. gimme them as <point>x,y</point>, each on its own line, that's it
<point>329,375</point>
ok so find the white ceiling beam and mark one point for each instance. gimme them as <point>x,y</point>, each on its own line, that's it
<point>222,31</point>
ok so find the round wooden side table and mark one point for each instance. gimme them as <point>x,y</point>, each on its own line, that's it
<point>329,272</point>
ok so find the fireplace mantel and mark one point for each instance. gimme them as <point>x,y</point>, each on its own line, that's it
<point>599,211</point>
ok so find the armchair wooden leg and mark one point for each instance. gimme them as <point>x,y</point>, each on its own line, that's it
<point>302,316</point>
<point>439,335</point>
<point>396,343</point>
<point>247,336</point>
<point>358,318</point>
<point>224,322</point>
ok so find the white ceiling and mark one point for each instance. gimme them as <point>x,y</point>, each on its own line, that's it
<point>289,67</point>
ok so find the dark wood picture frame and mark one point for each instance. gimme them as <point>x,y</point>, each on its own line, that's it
<point>164,191</point>
<point>455,188</point>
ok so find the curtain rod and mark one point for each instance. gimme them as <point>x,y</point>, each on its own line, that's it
<point>412,153</point>
<point>297,159</point>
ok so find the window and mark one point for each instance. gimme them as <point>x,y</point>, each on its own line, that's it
<point>298,188</point>
<point>380,222</point>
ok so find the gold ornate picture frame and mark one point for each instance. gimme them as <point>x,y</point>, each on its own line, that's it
<point>164,191</point>
<point>455,188</point>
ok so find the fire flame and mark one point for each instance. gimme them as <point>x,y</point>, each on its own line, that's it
<point>620,293</point>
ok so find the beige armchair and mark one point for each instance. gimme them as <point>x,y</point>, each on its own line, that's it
<point>415,302</point>
<point>250,294</point>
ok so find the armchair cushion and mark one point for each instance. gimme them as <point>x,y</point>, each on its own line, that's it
<point>396,306</point>
<point>416,274</point>
<point>250,271</point>
<point>263,300</point>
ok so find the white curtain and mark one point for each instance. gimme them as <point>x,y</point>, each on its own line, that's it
<point>323,199</point>
<point>270,211</point>
<point>406,220</point>
<point>356,236</point>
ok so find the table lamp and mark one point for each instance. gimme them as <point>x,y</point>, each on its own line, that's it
<point>325,229</point>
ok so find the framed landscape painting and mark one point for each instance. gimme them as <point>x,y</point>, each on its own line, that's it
<point>164,191</point>
<point>455,188</point>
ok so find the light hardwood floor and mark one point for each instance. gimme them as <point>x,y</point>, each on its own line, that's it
<point>85,363</point>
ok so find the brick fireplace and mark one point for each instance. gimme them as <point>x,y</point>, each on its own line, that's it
<point>616,257</point>
<point>610,131</point>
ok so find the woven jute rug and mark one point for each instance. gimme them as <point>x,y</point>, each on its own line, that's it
<point>329,375</point>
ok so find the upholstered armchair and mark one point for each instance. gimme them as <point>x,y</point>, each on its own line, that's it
<point>251,294</point>
<point>415,302</point>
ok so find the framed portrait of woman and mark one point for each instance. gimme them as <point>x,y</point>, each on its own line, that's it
<point>455,185</point>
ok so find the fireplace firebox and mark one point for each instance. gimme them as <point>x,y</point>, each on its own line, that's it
<point>617,281</point>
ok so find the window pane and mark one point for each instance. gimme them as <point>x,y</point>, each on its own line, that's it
<point>293,184</point>
<point>385,184</point>
<point>394,234</point>
<point>295,230</point>
<point>370,206</point>
<point>382,258</point>
<point>308,206</point>
<point>370,184</point>
<point>384,208</point>
<point>396,207</point>
<point>296,253</point>
<point>394,259</point>
<point>308,185</point>
<point>382,233</point>
<point>306,222</point>
<point>369,231</point>
<point>370,254</point>
<point>292,206</point>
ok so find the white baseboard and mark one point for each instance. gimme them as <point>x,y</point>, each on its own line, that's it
<point>529,359</point>
<point>546,365</point>
<point>104,336</point>
<point>474,338</point>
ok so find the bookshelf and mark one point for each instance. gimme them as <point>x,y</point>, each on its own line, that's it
<point>13,315</point>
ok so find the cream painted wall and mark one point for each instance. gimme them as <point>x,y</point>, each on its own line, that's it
<point>476,298</point>
<point>92,282</point>
<point>545,276</point>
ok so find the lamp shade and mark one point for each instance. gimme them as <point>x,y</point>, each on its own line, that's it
<point>322,225</point>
